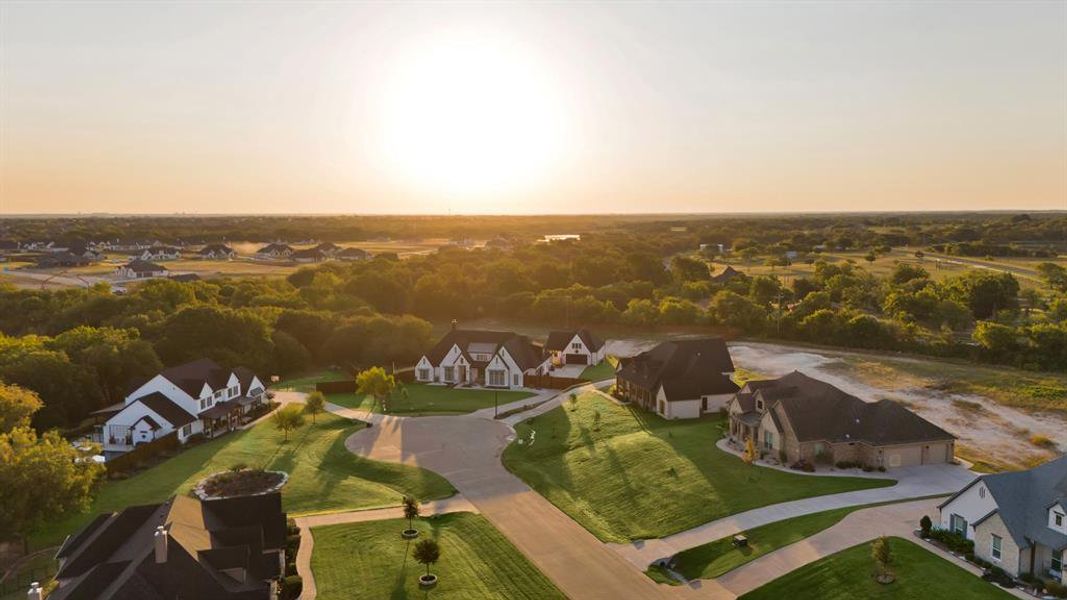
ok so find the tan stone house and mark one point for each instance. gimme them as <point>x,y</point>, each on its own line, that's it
<point>796,417</point>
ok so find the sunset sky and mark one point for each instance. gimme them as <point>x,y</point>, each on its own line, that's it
<point>532,108</point>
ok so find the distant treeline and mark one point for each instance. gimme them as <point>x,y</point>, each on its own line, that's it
<point>788,232</point>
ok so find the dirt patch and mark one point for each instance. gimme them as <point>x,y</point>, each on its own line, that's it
<point>988,431</point>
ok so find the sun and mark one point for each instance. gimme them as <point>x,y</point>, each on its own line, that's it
<point>470,116</point>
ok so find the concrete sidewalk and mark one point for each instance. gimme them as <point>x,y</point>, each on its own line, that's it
<point>912,482</point>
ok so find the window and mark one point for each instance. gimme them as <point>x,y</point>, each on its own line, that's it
<point>515,380</point>
<point>235,390</point>
<point>187,430</point>
<point>768,440</point>
<point>1057,560</point>
<point>995,547</point>
<point>449,373</point>
<point>1058,518</point>
<point>217,394</point>
<point>497,377</point>
<point>759,404</point>
<point>424,374</point>
<point>205,403</point>
<point>958,524</point>
<point>576,346</point>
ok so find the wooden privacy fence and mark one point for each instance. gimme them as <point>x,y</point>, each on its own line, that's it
<point>143,453</point>
<point>552,383</point>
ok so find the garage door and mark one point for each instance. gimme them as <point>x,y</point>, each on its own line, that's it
<point>575,359</point>
<point>903,456</point>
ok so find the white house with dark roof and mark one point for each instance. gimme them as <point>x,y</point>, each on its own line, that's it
<point>576,347</point>
<point>680,379</point>
<point>160,253</point>
<point>141,269</point>
<point>216,252</point>
<point>275,251</point>
<point>196,397</point>
<point>1017,520</point>
<point>497,359</point>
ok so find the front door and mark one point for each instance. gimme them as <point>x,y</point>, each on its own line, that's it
<point>463,373</point>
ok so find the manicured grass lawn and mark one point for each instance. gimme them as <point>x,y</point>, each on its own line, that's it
<point>847,576</point>
<point>638,476</point>
<point>605,369</point>
<point>323,474</point>
<point>371,560</point>
<point>306,383</point>
<point>430,399</point>
<point>713,559</point>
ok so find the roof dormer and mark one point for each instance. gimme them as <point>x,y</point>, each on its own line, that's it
<point>1057,516</point>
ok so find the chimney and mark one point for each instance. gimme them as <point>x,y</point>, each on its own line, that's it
<point>35,593</point>
<point>454,323</point>
<point>160,539</point>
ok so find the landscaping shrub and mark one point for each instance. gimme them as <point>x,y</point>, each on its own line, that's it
<point>848,464</point>
<point>925,524</point>
<point>292,585</point>
<point>953,541</point>
<point>803,465</point>
<point>1058,590</point>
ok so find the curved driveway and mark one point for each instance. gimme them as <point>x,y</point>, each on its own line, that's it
<point>467,449</point>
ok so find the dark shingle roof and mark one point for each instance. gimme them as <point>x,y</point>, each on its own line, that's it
<point>1024,498</point>
<point>192,376</point>
<point>114,556</point>
<point>819,411</point>
<point>526,354</point>
<point>558,340</point>
<point>216,249</point>
<point>164,407</point>
<point>274,248</point>
<point>353,253</point>
<point>686,368</point>
<point>309,253</point>
<point>143,266</point>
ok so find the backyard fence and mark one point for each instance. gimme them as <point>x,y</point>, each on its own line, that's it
<point>336,387</point>
<point>552,383</point>
<point>143,453</point>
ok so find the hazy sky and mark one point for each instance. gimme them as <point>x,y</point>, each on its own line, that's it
<point>532,108</point>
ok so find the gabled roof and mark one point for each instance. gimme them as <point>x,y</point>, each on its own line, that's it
<point>327,247</point>
<point>522,350</point>
<point>308,253</point>
<point>353,252</point>
<point>192,376</point>
<point>1024,498</point>
<point>819,411</point>
<point>164,407</point>
<point>143,266</point>
<point>558,340</point>
<point>216,249</point>
<point>113,557</point>
<point>679,359</point>
<point>727,274</point>
<point>274,248</point>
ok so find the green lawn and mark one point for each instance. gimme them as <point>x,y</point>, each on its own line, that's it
<point>638,476</point>
<point>847,576</point>
<point>371,560</point>
<point>605,369</point>
<point>323,474</point>
<point>711,560</point>
<point>306,383</point>
<point>421,399</point>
